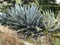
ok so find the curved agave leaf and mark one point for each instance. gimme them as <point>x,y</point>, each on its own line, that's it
<point>3,18</point>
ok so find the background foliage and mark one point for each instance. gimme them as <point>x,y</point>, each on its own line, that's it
<point>44,4</point>
<point>11,15</point>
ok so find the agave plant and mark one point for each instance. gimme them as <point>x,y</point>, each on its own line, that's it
<point>49,21</point>
<point>22,17</point>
